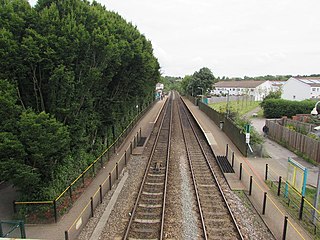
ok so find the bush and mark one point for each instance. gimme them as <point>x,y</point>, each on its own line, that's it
<point>276,108</point>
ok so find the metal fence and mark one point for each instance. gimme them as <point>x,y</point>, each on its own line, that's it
<point>88,211</point>
<point>294,140</point>
<point>236,134</point>
<point>51,211</point>
<point>265,199</point>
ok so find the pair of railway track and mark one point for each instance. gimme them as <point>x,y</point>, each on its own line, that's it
<point>148,214</point>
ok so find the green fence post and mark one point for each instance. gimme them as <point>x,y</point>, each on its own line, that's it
<point>22,230</point>
<point>1,232</point>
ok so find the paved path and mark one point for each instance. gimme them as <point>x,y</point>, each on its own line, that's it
<point>279,155</point>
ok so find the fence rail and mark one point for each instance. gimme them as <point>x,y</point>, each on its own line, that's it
<point>265,193</point>
<point>236,134</point>
<point>50,211</point>
<point>294,140</point>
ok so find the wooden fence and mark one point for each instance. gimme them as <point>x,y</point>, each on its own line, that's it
<point>297,141</point>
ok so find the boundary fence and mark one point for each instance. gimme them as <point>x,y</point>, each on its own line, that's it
<point>294,140</point>
<point>88,211</point>
<point>264,195</point>
<point>236,134</point>
<point>52,210</point>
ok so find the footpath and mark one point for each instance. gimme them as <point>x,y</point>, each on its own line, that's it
<point>274,213</point>
<point>56,231</point>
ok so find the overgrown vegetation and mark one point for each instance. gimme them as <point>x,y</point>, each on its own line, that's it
<point>71,76</point>
<point>276,108</point>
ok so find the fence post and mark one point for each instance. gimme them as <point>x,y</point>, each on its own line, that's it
<point>266,174</point>
<point>240,173</point>
<point>100,190</point>
<point>131,147</point>
<point>301,208</point>
<point>55,211</point>
<point>227,150</point>
<point>264,203</point>
<point>279,185</point>
<point>94,172</point>
<point>91,203</point>
<point>66,235</point>
<point>110,181</point>
<point>70,192</point>
<point>250,186</point>
<point>125,157</point>
<point>140,133</point>
<point>1,232</point>
<point>117,171</point>
<point>14,206</point>
<point>82,176</point>
<point>284,232</point>
<point>232,161</point>
<point>22,229</point>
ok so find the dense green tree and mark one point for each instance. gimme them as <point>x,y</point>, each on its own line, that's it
<point>78,69</point>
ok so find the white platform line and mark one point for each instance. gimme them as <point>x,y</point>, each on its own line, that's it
<point>105,216</point>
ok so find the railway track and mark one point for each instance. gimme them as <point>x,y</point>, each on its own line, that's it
<point>217,220</point>
<point>147,216</point>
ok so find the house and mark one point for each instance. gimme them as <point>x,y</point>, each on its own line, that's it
<point>277,85</point>
<point>257,89</point>
<point>301,88</point>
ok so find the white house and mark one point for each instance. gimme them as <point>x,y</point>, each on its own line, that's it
<point>277,85</point>
<point>257,89</point>
<point>301,88</point>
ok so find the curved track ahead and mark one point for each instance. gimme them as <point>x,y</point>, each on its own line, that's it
<point>216,217</point>
<point>147,217</point>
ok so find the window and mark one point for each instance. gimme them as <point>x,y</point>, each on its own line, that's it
<point>252,89</point>
<point>294,96</point>
<point>313,89</point>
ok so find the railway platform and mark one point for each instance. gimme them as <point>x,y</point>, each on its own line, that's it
<point>57,230</point>
<point>274,214</point>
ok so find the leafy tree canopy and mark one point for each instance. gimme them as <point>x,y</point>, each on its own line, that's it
<point>71,71</point>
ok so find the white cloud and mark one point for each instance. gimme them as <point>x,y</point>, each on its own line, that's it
<point>231,37</point>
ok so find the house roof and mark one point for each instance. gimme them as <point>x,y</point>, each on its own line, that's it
<point>277,83</point>
<point>312,81</point>
<point>239,84</point>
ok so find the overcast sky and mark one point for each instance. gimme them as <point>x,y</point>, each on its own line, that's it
<point>231,37</point>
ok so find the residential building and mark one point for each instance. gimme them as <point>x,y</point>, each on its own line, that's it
<point>301,88</point>
<point>257,89</point>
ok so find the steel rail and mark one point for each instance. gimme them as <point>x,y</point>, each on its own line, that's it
<point>147,171</point>
<point>212,172</point>
<point>193,179</point>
